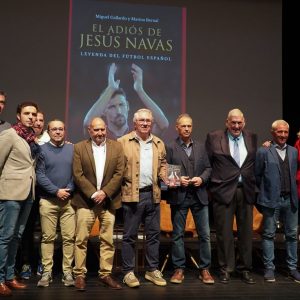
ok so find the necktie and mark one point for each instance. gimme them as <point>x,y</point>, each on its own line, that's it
<point>236,152</point>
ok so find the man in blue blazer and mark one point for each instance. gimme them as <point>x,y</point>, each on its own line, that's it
<point>275,171</point>
<point>193,160</point>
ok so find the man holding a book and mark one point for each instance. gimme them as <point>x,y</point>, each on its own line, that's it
<point>188,159</point>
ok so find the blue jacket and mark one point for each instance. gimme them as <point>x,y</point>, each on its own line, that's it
<point>268,173</point>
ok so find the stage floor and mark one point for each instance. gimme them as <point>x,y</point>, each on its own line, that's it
<point>191,288</point>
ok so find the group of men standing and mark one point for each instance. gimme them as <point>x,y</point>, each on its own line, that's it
<point>94,177</point>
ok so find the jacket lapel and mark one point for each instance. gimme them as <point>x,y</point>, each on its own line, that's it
<point>89,151</point>
<point>181,154</point>
<point>108,156</point>
<point>275,155</point>
<point>225,144</point>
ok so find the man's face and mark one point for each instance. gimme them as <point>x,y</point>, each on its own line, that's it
<point>2,103</point>
<point>97,131</point>
<point>39,124</point>
<point>281,134</point>
<point>184,128</point>
<point>116,112</point>
<point>143,124</point>
<point>27,116</point>
<point>235,125</point>
<point>56,130</point>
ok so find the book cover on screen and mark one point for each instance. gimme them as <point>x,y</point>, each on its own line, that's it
<point>139,50</point>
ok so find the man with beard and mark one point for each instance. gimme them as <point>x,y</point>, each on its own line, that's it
<point>17,181</point>
<point>30,261</point>
<point>113,106</point>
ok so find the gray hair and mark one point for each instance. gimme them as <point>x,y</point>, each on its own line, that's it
<point>138,112</point>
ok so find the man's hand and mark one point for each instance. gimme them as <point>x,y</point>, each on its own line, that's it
<point>267,144</point>
<point>184,180</point>
<point>99,197</point>
<point>63,194</point>
<point>111,77</point>
<point>196,181</point>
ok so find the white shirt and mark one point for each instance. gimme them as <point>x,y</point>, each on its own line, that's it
<point>281,151</point>
<point>43,138</point>
<point>99,153</point>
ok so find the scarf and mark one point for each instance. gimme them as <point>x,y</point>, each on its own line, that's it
<point>27,133</point>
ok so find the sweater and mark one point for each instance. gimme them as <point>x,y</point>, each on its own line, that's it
<point>54,169</point>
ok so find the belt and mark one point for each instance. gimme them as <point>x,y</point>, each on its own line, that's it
<point>145,189</point>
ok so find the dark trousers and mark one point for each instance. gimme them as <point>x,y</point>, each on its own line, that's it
<point>224,216</point>
<point>28,252</point>
<point>147,212</point>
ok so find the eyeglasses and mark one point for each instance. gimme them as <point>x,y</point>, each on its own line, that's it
<point>148,121</point>
<point>57,129</point>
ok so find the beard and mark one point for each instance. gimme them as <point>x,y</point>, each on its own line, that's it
<point>120,120</point>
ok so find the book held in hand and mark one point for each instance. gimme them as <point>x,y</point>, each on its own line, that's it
<point>173,175</point>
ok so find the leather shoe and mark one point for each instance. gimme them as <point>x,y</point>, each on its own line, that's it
<point>205,277</point>
<point>15,284</point>
<point>80,283</point>
<point>5,290</point>
<point>247,277</point>
<point>224,277</point>
<point>110,282</point>
<point>178,276</point>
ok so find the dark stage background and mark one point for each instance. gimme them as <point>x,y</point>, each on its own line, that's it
<point>237,56</point>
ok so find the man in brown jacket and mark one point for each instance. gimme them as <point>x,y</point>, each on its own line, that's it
<point>98,168</point>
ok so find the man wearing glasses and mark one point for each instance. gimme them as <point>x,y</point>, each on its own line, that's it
<point>145,158</point>
<point>54,177</point>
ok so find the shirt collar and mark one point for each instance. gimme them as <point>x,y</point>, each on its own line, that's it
<point>101,145</point>
<point>232,138</point>
<point>182,143</point>
<point>149,139</point>
<point>279,147</point>
<point>57,146</point>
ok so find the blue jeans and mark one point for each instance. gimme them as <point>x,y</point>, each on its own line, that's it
<point>13,218</point>
<point>290,222</point>
<point>147,212</point>
<point>200,214</point>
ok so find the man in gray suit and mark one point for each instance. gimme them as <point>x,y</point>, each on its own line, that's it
<point>17,181</point>
<point>192,158</point>
<point>232,186</point>
<point>275,171</point>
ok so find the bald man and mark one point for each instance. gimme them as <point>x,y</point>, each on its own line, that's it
<point>98,168</point>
